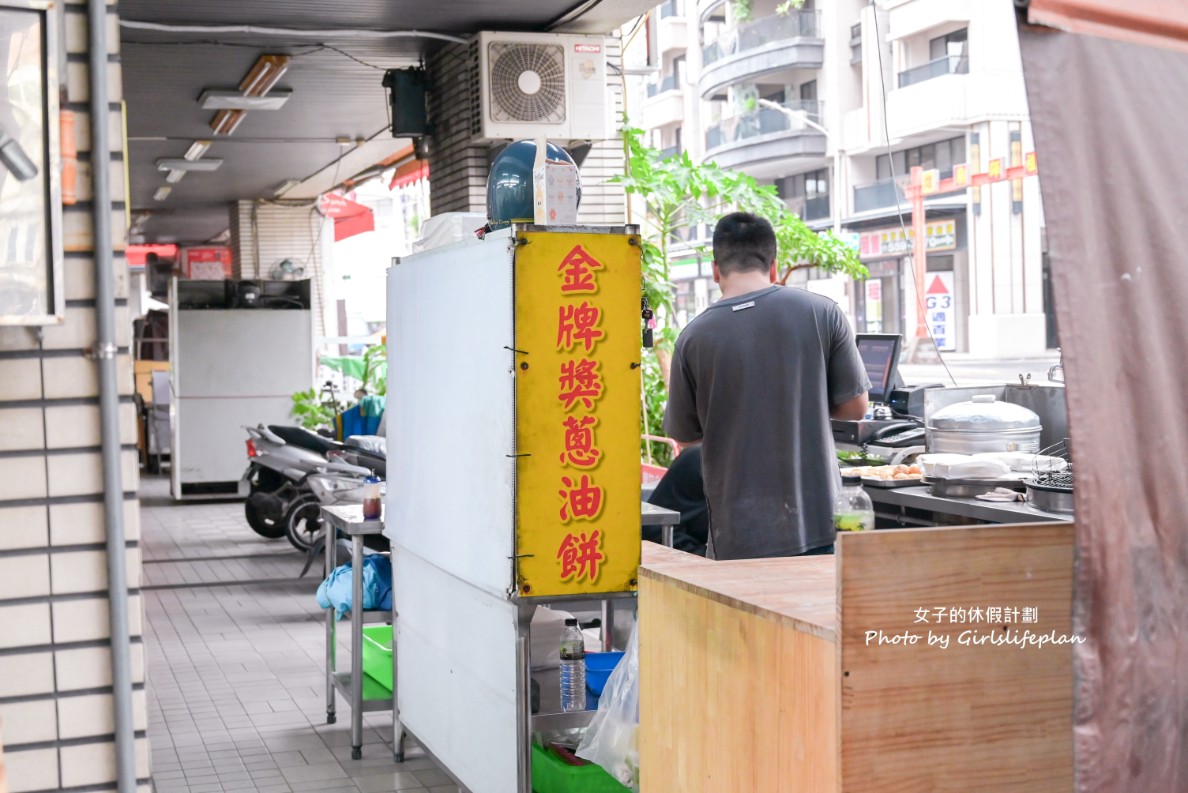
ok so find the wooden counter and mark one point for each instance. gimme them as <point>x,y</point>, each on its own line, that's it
<point>761,675</point>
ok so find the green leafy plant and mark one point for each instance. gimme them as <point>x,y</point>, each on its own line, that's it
<point>312,411</point>
<point>677,194</point>
<point>315,410</point>
<point>740,10</point>
<point>788,6</point>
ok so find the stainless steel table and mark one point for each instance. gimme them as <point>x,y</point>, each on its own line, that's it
<point>918,497</point>
<point>362,694</point>
<point>666,519</point>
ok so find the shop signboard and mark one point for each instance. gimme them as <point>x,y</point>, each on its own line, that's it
<point>577,338</point>
<point>940,235</point>
<point>941,310</point>
<point>207,264</point>
<point>874,301</point>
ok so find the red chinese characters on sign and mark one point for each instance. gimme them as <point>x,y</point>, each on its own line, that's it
<point>580,451</point>
<point>581,500</point>
<point>578,324</point>
<point>577,271</point>
<point>580,381</point>
<point>581,556</point>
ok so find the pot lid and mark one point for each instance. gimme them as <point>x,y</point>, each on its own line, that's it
<point>984,413</point>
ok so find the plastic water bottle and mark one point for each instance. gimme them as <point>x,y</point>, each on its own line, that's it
<point>573,668</point>
<point>853,509</point>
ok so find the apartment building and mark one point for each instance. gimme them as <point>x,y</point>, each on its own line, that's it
<point>834,103</point>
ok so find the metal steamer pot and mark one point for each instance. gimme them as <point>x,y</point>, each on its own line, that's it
<point>983,425</point>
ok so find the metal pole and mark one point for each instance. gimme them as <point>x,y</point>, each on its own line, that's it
<point>105,348</point>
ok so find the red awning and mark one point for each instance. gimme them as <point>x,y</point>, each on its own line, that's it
<point>350,217</point>
<point>410,172</point>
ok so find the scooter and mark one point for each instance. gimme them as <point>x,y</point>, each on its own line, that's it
<point>274,479</point>
<point>292,472</point>
<point>338,482</point>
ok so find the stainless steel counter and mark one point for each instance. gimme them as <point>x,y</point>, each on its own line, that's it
<point>986,511</point>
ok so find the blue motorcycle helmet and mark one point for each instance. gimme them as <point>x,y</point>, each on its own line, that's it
<point>509,184</point>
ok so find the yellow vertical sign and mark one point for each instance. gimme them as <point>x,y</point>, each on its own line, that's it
<point>577,331</point>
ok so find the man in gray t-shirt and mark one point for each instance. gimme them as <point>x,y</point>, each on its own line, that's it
<point>756,378</point>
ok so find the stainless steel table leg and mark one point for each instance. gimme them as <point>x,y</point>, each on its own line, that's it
<point>608,625</point>
<point>666,535</point>
<point>331,638</point>
<point>398,736</point>
<point>356,647</point>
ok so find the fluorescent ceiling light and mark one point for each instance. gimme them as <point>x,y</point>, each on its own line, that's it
<point>234,100</point>
<point>225,121</point>
<point>197,149</point>
<point>162,193</point>
<point>265,74</point>
<point>173,177</point>
<point>182,164</point>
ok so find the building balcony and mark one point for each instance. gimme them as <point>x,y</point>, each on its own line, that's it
<point>885,195</point>
<point>672,34</point>
<point>809,209</point>
<point>669,83</point>
<point>777,43</point>
<point>672,8</point>
<point>665,104</point>
<point>943,94</point>
<point>711,9</point>
<point>951,64</point>
<point>670,152</point>
<point>764,143</point>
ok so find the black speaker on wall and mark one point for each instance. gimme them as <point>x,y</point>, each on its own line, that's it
<point>407,89</point>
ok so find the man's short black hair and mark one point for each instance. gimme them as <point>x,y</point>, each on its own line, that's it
<point>743,242</point>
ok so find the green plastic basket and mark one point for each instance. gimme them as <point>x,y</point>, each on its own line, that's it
<point>377,654</point>
<point>550,774</point>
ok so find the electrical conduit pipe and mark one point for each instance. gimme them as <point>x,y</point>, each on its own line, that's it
<point>105,349</point>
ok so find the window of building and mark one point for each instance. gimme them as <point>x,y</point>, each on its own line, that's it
<point>953,45</point>
<point>813,184</point>
<point>776,96</point>
<point>808,91</point>
<point>942,155</point>
<point>678,70</point>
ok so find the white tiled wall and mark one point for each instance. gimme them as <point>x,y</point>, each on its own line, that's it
<point>56,722</point>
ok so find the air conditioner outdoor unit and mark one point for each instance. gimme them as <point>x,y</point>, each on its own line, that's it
<point>542,85</point>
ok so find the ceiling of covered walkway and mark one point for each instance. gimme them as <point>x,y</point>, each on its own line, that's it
<point>334,124</point>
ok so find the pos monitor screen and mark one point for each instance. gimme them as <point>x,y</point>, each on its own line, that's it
<point>880,356</point>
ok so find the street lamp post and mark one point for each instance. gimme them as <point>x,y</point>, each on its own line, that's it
<point>802,116</point>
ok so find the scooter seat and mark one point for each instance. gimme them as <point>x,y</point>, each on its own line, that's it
<point>376,444</point>
<point>305,439</point>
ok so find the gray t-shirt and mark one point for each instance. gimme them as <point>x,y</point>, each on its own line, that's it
<point>754,378</point>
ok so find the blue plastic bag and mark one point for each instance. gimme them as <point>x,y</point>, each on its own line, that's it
<point>335,591</point>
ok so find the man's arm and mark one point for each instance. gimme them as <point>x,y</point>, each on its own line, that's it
<point>680,416</point>
<point>848,383</point>
<point>850,410</point>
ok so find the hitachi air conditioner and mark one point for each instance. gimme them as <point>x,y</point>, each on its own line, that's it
<point>542,85</point>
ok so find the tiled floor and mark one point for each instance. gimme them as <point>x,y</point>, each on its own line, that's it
<point>235,646</point>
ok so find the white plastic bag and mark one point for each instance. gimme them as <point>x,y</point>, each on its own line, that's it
<point>611,739</point>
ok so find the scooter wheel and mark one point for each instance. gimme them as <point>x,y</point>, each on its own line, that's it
<point>264,526</point>
<point>303,524</point>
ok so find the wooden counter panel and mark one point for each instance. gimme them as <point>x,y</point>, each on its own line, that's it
<point>652,553</point>
<point>801,592</point>
<point>731,701</point>
<point>968,719</point>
